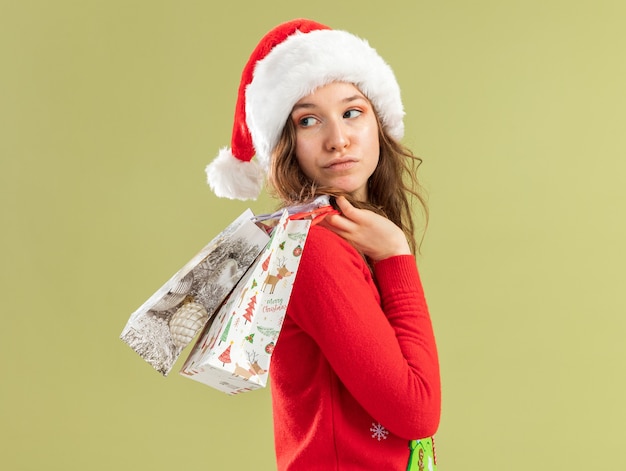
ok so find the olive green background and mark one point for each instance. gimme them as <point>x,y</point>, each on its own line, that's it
<point>109,111</point>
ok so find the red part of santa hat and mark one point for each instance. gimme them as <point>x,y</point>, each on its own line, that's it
<point>289,63</point>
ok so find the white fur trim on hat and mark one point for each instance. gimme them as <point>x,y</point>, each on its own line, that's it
<point>232,178</point>
<point>290,62</point>
<point>306,61</point>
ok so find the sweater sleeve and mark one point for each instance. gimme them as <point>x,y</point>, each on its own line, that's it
<point>381,347</point>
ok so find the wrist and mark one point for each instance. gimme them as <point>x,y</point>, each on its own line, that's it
<point>394,251</point>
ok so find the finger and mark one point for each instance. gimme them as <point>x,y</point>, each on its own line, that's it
<point>347,209</point>
<point>337,222</point>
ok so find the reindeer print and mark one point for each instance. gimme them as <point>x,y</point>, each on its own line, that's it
<point>272,280</point>
<point>254,370</point>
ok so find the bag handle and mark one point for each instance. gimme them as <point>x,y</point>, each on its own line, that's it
<point>316,210</point>
<point>316,215</point>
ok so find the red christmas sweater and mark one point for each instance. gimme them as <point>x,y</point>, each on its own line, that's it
<point>355,372</point>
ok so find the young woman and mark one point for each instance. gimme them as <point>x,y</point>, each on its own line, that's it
<point>355,373</point>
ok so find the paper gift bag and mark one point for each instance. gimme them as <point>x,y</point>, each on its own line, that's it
<point>169,320</point>
<point>233,353</point>
<point>422,456</point>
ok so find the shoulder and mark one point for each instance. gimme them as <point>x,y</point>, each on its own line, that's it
<point>324,245</point>
<point>328,256</point>
<point>332,276</point>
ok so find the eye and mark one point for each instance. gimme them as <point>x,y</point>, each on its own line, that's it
<point>352,114</point>
<point>307,121</point>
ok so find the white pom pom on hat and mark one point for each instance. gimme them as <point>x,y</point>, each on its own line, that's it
<point>289,63</point>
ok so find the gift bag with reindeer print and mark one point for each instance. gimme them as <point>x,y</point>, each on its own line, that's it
<point>233,353</point>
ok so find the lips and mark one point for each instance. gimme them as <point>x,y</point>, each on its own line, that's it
<point>342,163</point>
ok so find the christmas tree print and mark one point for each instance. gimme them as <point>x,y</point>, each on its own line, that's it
<point>250,309</point>
<point>225,356</point>
<point>266,262</point>
<point>225,333</point>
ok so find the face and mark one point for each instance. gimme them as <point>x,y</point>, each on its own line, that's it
<point>337,138</point>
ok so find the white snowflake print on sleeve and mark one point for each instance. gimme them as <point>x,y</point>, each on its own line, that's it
<point>378,431</point>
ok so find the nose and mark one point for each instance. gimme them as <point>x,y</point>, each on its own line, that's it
<point>337,136</point>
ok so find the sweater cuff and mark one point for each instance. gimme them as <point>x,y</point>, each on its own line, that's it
<point>397,272</point>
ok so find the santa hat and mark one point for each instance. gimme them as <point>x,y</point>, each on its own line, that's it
<point>289,63</point>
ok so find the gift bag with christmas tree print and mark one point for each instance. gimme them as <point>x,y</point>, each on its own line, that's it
<point>233,353</point>
<point>169,320</point>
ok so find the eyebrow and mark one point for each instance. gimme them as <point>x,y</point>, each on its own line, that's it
<point>312,105</point>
